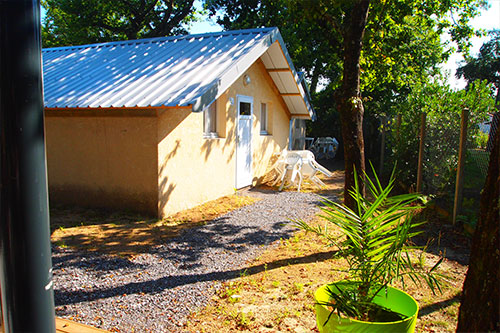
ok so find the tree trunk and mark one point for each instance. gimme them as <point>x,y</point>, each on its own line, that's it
<point>350,105</point>
<point>315,77</point>
<point>480,309</point>
<point>494,128</point>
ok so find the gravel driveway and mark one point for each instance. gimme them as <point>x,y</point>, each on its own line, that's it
<point>154,292</point>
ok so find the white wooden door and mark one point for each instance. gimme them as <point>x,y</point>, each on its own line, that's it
<point>244,142</point>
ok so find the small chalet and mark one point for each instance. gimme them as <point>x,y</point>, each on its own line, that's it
<point>164,124</point>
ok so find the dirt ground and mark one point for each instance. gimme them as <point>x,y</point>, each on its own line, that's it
<point>125,234</point>
<point>275,291</point>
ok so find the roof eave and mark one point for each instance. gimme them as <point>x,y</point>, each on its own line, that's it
<point>230,76</point>
<point>236,71</point>
<point>303,89</point>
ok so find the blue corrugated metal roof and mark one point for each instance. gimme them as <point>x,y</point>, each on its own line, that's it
<point>166,71</point>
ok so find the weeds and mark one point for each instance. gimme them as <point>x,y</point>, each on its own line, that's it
<point>232,289</point>
<point>290,286</point>
<point>280,316</point>
<point>240,319</point>
<point>297,288</point>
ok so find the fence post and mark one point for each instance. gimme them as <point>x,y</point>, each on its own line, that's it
<point>398,126</point>
<point>457,203</point>
<point>421,152</point>
<point>382,146</point>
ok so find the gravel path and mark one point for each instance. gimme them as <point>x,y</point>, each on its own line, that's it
<point>156,291</point>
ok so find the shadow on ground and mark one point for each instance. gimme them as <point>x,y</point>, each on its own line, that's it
<point>169,282</point>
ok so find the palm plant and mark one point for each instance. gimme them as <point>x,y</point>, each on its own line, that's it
<point>376,247</point>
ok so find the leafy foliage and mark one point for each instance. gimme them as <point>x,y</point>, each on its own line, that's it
<point>401,43</point>
<point>313,51</point>
<point>443,107</point>
<point>377,245</point>
<point>75,22</point>
<point>364,50</point>
<point>486,66</point>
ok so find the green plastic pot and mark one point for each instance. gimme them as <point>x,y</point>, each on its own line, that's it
<point>396,300</point>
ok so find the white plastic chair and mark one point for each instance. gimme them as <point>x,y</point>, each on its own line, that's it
<point>292,162</point>
<point>279,166</point>
<point>321,169</point>
<point>309,170</point>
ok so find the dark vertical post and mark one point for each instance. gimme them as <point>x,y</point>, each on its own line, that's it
<point>421,153</point>
<point>25,257</point>
<point>398,128</point>
<point>459,185</point>
<point>1,314</point>
<point>382,146</point>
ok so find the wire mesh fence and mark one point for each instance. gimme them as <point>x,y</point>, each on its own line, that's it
<point>428,148</point>
<point>472,175</point>
<point>440,156</point>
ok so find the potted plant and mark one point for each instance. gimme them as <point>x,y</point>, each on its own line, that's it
<point>378,252</point>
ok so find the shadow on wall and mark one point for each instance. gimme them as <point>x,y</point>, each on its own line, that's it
<point>168,121</point>
<point>266,170</point>
<point>165,192</point>
<point>109,200</point>
<point>223,144</point>
<point>164,188</point>
<point>226,128</point>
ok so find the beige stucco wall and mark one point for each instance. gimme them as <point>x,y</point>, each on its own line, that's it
<point>193,169</point>
<point>102,161</point>
<point>157,161</point>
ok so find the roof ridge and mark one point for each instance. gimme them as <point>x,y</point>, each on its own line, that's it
<point>161,39</point>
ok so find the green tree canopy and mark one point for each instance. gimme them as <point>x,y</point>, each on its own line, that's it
<point>401,43</point>
<point>76,22</point>
<point>378,45</point>
<point>442,106</point>
<point>313,51</point>
<point>486,66</point>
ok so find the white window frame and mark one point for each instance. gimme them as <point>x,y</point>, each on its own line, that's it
<point>264,119</point>
<point>210,121</point>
